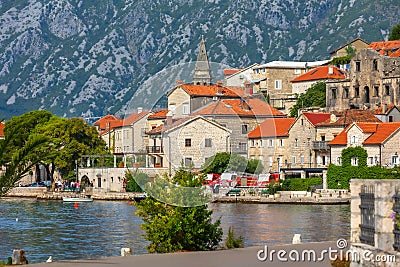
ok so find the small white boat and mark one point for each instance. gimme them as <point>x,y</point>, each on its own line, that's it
<point>77,199</point>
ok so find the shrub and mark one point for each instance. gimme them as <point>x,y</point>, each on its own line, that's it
<point>232,241</point>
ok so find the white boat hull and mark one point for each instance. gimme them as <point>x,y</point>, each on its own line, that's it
<point>77,199</point>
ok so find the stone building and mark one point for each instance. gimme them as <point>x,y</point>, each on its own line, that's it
<point>268,143</point>
<point>239,77</point>
<point>373,79</point>
<point>380,140</point>
<point>274,80</point>
<point>241,116</point>
<point>188,141</point>
<point>387,113</point>
<point>358,44</point>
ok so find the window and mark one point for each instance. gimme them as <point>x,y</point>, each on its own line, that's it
<point>242,146</point>
<point>387,89</point>
<point>358,66</point>
<point>390,118</point>
<point>244,128</point>
<point>296,142</point>
<point>346,92</point>
<point>263,70</point>
<point>261,143</point>
<point>376,90</point>
<point>302,122</point>
<point>260,158</point>
<point>188,162</point>
<point>353,140</point>
<point>394,159</point>
<point>333,93</point>
<point>208,142</point>
<point>281,142</point>
<point>370,161</point>
<point>172,108</point>
<point>278,84</point>
<point>357,91</point>
<point>270,142</point>
<point>188,142</point>
<point>339,161</point>
<point>270,161</point>
<point>323,138</point>
<point>354,161</point>
<point>293,160</point>
<point>297,71</point>
<point>186,109</point>
<point>375,65</point>
<point>308,142</point>
<point>302,160</point>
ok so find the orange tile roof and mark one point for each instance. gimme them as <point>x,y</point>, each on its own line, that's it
<point>107,121</point>
<point>228,72</point>
<point>316,118</point>
<point>210,90</point>
<point>320,73</point>
<point>349,116</point>
<point>272,127</point>
<point>247,108</point>
<point>387,48</point>
<point>161,114</point>
<point>379,111</point>
<point>131,119</point>
<point>380,132</point>
<point>2,124</point>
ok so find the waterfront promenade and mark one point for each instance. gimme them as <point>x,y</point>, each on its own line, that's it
<point>221,258</point>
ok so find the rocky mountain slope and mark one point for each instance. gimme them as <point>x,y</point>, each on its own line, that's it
<point>88,58</point>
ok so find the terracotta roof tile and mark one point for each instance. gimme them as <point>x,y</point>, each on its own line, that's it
<point>228,72</point>
<point>380,132</point>
<point>2,124</point>
<point>349,116</point>
<point>316,118</point>
<point>379,111</point>
<point>211,90</point>
<point>272,127</point>
<point>320,73</point>
<point>133,118</point>
<point>161,114</point>
<point>247,108</point>
<point>108,121</point>
<point>387,48</point>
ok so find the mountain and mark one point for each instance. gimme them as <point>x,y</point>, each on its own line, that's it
<point>88,58</point>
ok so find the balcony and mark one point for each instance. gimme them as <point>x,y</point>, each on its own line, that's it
<point>320,145</point>
<point>154,149</point>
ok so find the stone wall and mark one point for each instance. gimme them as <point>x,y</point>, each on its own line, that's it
<point>383,209</point>
<point>26,191</point>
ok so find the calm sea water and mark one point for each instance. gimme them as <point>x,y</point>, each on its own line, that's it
<point>101,228</point>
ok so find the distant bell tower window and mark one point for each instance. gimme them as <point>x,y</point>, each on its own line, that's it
<point>358,66</point>
<point>387,89</point>
<point>334,93</point>
<point>346,92</point>
<point>375,65</point>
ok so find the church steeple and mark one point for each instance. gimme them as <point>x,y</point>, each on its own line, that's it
<point>202,71</point>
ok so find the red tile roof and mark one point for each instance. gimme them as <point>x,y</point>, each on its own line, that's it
<point>161,114</point>
<point>316,118</point>
<point>272,127</point>
<point>321,73</point>
<point>250,107</point>
<point>379,111</point>
<point>2,124</point>
<point>387,48</point>
<point>349,116</point>
<point>380,132</point>
<point>133,118</point>
<point>107,121</point>
<point>210,90</point>
<point>228,72</point>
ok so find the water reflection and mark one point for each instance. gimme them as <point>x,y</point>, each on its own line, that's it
<point>101,228</point>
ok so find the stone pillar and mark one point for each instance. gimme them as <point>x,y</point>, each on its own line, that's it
<point>115,161</point>
<point>18,257</point>
<point>303,175</point>
<point>324,180</point>
<point>355,221</point>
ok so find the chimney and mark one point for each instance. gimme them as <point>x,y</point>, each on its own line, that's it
<point>179,82</point>
<point>168,120</point>
<point>330,70</point>
<point>139,110</point>
<point>248,87</point>
<point>219,83</point>
<point>384,108</point>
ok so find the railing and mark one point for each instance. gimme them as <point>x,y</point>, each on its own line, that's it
<point>396,230</point>
<point>320,145</point>
<point>154,149</point>
<point>367,208</point>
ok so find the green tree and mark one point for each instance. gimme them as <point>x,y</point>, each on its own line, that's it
<point>395,33</point>
<point>314,97</point>
<point>136,181</point>
<point>254,166</point>
<point>225,161</point>
<point>172,228</point>
<point>351,51</point>
<point>18,160</point>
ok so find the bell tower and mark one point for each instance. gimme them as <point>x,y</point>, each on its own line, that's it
<point>202,71</point>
